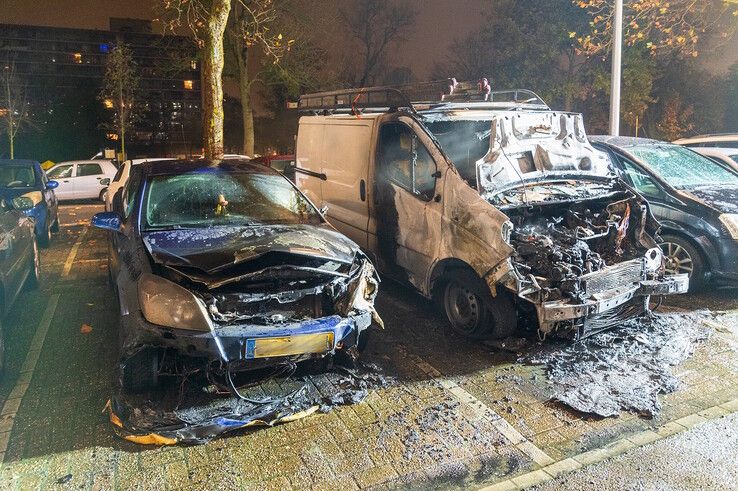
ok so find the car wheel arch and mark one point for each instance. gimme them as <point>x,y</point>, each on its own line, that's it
<point>441,270</point>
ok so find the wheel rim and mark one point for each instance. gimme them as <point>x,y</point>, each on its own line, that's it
<point>462,306</point>
<point>676,259</point>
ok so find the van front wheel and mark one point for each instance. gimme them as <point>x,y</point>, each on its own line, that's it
<point>473,312</point>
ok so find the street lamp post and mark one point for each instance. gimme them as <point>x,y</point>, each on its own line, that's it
<point>617,56</point>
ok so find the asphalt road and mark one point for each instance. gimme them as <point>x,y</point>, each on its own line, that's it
<point>452,415</point>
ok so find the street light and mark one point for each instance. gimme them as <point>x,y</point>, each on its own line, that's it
<point>617,56</point>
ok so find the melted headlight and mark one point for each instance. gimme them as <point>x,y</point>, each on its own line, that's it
<point>167,304</point>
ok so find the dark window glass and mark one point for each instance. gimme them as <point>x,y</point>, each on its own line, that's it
<point>88,170</point>
<point>405,161</point>
<point>17,176</point>
<point>60,172</point>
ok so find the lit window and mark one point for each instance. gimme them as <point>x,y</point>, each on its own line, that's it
<point>77,57</point>
<point>108,103</point>
<point>189,84</point>
<point>193,64</point>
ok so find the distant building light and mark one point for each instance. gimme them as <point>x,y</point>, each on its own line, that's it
<point>193,64</point>
<point>104,48</point>
<point>108,103</point>
<point>189,84</point>
<point>3,113</point>
<point>77,57</point>
<point>112,136</point>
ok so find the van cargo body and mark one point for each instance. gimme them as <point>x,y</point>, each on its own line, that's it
<point>500,211</point>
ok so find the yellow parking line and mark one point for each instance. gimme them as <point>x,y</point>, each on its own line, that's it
<point>11,405</point>
<point>73,254</point>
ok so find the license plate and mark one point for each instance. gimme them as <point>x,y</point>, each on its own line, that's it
<point>289,345</point>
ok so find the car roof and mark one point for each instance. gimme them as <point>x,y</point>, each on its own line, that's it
<point>625,141</point>
<point>18,162</point>
<point>95,161</point>
<point>173,167</point>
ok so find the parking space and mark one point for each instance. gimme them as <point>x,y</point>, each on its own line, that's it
<point>453,414</point>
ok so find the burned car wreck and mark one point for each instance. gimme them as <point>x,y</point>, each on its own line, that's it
<point>584,251</point>
<point>224,267</point>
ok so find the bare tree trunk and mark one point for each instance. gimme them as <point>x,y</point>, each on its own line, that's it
<point>212,79</point>
<point>247,111</point>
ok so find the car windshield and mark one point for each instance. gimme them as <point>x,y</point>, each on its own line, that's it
<point>683,168</point>
<point>204,199</point>
<point>17,176</point>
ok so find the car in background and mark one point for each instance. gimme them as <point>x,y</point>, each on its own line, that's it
<point>724,156</point>
<point>82,179</point>
<point>121,178</point>
<point>694,198</point>
<point>720,140</point>
<point>284,163</point>
<point>19,262</point>
<point>227,265</point>
<point>26,178</point>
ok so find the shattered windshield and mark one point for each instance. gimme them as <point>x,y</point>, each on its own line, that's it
<point>17,176</point>
<point>204,199</point>
<point>683,168</point>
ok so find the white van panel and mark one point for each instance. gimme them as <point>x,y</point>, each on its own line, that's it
<point>310,157</point>
<point>346,153</point>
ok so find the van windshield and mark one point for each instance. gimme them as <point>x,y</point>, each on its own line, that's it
<point>464,142</point>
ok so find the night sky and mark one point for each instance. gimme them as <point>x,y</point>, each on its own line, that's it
<point>420,52</point>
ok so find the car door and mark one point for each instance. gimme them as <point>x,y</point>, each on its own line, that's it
<point>87,181</point>
<point>49,198</point>
<point>405,221</point>
<point>64,175</point>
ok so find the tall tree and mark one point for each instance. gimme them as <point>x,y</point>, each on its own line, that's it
<point>254,29</point>
<point>14,110</point>
<point>207,19</point>
<point>120,90</point>
<point>376,25</point>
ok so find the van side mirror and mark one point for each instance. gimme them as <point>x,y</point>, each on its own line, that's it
<point>323,210</point>
<point>107,220</point>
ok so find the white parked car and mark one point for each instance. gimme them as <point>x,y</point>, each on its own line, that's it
<point>82,179</point>
<point>725,156</point>
<point>121,178</point>
<point>722,140</point>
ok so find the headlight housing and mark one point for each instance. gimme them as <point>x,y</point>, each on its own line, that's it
<point>730,222</point>
<point>167,304</point>
<point>35,196</point>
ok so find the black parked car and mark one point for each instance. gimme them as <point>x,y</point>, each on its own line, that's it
<point>225,264</point>
<point>19,264</point>
<point>694,198</point>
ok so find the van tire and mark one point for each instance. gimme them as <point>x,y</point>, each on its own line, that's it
<point>140,372</point>
<point>472,311</point>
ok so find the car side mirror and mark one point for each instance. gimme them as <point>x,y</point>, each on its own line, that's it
<point>52,185</point>
<point>323,209</point>
<point>105,181</point>
<point>21,203</point>
<point>107,220</point>
<point>437,174</point>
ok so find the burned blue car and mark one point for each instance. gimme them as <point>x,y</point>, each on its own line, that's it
<point>224,266</point>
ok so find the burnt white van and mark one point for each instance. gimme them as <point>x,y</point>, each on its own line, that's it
<point>488,202</point>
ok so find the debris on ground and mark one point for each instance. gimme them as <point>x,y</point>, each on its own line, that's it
<point>64,479</point>
<point>85,329</point>
<point>624,368</point>
<point>193,415</point>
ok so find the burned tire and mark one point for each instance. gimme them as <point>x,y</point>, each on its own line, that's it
<point>680,256</point>
<point>472,311</point>
<point>140,372</point>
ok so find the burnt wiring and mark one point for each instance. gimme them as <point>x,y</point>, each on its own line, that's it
<point>284,370</point>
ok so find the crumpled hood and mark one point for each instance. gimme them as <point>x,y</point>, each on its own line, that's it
<point>723,198</point>
<point>217,248</point>
<point>529,145</point>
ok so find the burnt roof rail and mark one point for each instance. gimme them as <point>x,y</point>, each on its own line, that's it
<point>439,94</point>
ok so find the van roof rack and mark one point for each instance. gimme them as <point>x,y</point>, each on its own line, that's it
<point>426,96</point>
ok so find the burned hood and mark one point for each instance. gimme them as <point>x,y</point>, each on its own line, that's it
<point>217,248</point>
<point>724,198</point>
<point>527,146</point>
